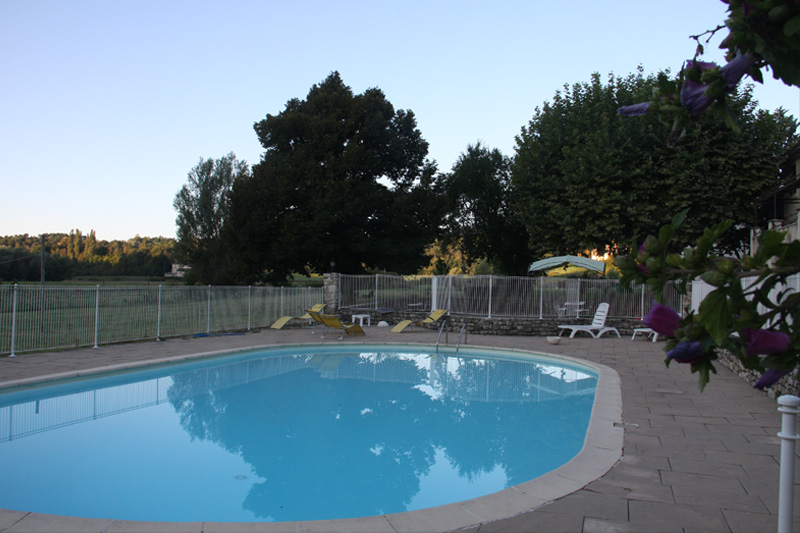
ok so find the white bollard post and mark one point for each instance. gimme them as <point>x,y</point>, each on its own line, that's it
<point>790,408</point>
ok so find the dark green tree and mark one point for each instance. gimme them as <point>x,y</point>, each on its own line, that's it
<point>203,207</point>
<point>343,183</point>
<point>480,218</point>
<point>589,179</point>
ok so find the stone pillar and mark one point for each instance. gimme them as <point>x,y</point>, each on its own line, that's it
<point>330,291</point>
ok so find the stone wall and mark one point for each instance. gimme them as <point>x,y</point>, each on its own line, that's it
<point>494,326</point>
<point>787,385</point>
<point>330,288</point>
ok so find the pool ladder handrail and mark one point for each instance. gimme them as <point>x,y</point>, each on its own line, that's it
<point>460,335</point>
<point>441,329</point>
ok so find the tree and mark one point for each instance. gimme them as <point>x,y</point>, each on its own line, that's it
<point>343,183</point>
<point>480,217</point>
<point>203,207</point>
<point>589,179</point>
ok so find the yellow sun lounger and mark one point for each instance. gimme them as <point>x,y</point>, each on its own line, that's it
<point>430,319</point>
<point>278,324</point>
<point>333,322</point>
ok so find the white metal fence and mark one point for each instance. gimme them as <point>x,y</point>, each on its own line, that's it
<point>36,318</point>
<point>499,296</point>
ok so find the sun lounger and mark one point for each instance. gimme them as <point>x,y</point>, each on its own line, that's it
<point>333,322</point>
<point>282,321</point>
<point>430,319</point>
<point>596,328</point>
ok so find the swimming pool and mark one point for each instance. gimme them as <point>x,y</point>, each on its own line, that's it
<point>392,432</point>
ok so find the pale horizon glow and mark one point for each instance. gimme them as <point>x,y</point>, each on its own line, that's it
<point>106,106</point>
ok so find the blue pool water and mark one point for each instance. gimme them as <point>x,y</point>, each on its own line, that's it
<point>308,433</point>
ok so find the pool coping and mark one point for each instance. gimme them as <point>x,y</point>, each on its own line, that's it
<point>602,450</point>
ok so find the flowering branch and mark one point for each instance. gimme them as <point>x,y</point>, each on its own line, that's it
<point>750,313</point>
<point>762,34</point>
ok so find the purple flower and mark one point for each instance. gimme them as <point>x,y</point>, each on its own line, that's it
<point>765,342</point>
<point>634,110</point>
<point>770,378</point>
<point>694,99</point>
<point>686,352</point>
<point>662,320</point>
<point>736,69</point>
<point>702,65</point>
<point>643,269</point>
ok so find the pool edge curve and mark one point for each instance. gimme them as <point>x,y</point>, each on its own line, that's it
<point>601,450</point>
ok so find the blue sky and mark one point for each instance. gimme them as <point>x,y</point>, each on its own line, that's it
<point>105,106</point>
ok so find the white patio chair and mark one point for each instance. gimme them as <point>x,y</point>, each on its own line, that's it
<point>596,328</point>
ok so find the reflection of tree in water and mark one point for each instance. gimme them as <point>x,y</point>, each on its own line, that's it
<point>344,423</point>
<point>373,423</point>
<point>512,433</point>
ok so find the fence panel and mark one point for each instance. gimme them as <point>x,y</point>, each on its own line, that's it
<point>36,318</point>
<point>515,296</point>
<point>467,295</point>
<point>501,296</point>
<point>126,314</point>
<point>49,318</point>
<point>184,310</point>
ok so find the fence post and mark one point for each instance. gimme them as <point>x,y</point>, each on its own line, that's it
<point>541,297</point>
<point>158,323</point>
<point>434,293</point>
<point>642,314</point>
<point>376,291</point>
<point>13,318</point>
<point>96,314</point>
<point>249,305</point>
<point>208,312</point>
<point>490,296</point>
<point>789,407</point>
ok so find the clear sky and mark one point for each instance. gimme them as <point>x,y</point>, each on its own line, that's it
<point>105,106</point>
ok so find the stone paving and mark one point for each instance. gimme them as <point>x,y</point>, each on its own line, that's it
<point>691,462</point>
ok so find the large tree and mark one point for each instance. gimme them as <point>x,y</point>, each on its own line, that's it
<point>589,179</point>
<point>479,217</point>
<point>203,206</point>
<point>344,183</point>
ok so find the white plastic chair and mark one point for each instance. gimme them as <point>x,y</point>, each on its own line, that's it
<point>596,328</point>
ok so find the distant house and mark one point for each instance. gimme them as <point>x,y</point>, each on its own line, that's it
<point>780,208</point>
<point>178,271</point>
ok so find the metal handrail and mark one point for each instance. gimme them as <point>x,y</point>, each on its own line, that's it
<point>441,329</point>
<point>463,330</point>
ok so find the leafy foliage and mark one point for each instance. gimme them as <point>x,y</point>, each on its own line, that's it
<point>770,31</point>
<point>344,182</point>
<point>750,303</point>
<point>203,207</point>
<point>762,34</point>
<point>480,218</point>
<point>76,254</point>
<point>589,179</point>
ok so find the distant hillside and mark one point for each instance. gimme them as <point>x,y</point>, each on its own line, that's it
<point>75,254</point>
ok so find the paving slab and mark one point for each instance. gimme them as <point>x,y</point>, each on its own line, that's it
<point>691,461</point>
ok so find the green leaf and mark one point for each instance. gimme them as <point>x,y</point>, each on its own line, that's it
<point>715,314</point>
<point>678,219</point>
<point>792,27</point>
